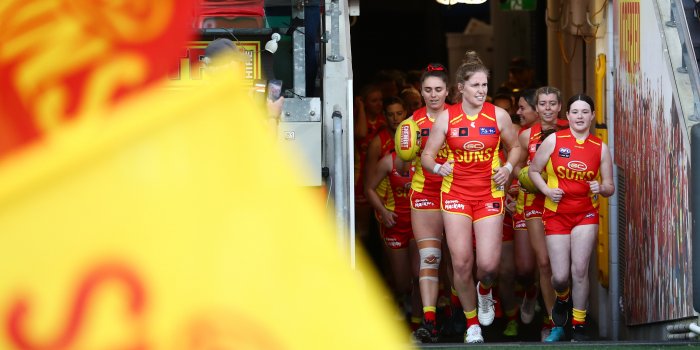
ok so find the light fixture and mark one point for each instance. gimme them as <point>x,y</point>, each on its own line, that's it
<point>469,2</point>
<point>271,46</point>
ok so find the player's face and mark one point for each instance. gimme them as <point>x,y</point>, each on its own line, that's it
<point>373,103</point>
<point>395,114</point>
<point>414,102</point>
<point>580,116</point>
<point>434,92</point>
<point>475,89</point>
<point>528,115</point>
<point>548,107</point>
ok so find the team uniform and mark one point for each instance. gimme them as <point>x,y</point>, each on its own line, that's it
<point>533,203</point>
<point>361,156</point>
<point>572,164</point>
<point>425,186</point>
<point>474,143</point>
<point>396,199</point>
<point>386,146</point>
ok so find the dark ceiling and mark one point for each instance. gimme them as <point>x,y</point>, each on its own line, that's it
<point>405,35</point>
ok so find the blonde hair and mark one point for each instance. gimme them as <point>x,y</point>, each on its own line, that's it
<point>471,63</point>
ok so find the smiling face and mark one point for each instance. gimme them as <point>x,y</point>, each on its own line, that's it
<point>580,116</point>
<point>474,89</point>
<point>548,107</point>
<point>527,114</point>
<point>434,92</point>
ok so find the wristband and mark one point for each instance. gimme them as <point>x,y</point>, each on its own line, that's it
<point>436,168</point>
<point>509,167</point>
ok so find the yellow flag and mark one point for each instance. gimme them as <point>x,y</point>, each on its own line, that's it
<point>173,224</point>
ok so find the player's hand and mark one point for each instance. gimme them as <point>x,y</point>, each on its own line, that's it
<point>501,176</point>
<point>446,168</point>
<point>555,194</point>
<point>389,218</point>
<point>595,186</point>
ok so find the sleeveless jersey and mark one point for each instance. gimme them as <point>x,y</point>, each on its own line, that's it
<point>572,164</point>
<point>474,142</point>
<point>361,146</point>
<point>386,141</point>
<point>533,144</point>
<point>386,146</point>
<point>396,198</point>
<point>425,181</point>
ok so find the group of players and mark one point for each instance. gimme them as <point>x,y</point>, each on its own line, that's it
<point>496,202</point>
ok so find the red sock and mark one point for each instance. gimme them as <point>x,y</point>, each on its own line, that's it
<point>482,290</point>
<point>454,300</point>
<point>429,315</point>
<point>471,318</point>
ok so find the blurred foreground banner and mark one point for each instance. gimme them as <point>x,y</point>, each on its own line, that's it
<point>168,220</point>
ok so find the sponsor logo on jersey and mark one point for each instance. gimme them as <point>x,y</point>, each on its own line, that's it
<point>490,130</point>
<point>577,165</point>
<point>425,132</point>
<point>473,146</point>
<point>564,152</point>
<point>459,132</point>
<point>590,215</point>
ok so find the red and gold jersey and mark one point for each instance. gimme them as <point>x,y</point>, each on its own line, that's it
<point>396,198</point>
<point>361,146</point>
<point>572,164</point>
<point>474,142</point>
<point>424,181</point>
<point>533,202</point>
<point>534,141</point>
<point>386,142</point>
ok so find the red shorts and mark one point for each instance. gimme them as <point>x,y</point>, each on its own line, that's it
<point>534,205</point>
<point>398,236</point>
<point>519,221</point>
<point>562,223</point>
<point>420,201</point>
<point>508,228</point>
<point>476,209</point>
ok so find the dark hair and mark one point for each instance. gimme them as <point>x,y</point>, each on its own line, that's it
<point>546,132</point>
<point>580,97</point>
<point>471,63</point>
<point>435,70</point>
<point>530,96</point>
<point>548,90</point>
<point>392,100</point>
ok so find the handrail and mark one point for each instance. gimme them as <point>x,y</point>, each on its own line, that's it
<point>688,59</point>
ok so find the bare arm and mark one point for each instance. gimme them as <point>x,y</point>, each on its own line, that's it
<point>438,135</point>
<point>537,165</point>
<point>381,170</point>
<point>373,154</point>
<point>523,140</point>
<point>606,187</point>
<point>360,118</point>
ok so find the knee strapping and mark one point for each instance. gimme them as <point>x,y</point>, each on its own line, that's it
<point>430,258</point>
